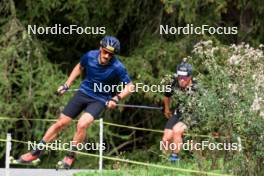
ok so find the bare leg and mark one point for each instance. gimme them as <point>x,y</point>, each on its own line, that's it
<point>79,136</point>
<point>83,123</point>
<point>166,139</point>
<point>178,130</point>
<point>53,131</point>
<point>51,134</point>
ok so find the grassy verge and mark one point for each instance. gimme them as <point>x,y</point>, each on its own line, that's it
<point>126,170</point>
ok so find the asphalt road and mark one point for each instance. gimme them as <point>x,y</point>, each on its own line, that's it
<point>41,172</point>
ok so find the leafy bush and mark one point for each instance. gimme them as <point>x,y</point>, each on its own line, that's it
<point>231,100</point>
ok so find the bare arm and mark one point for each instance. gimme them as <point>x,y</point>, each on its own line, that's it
<point>166,102</point>
<point>77,70</point>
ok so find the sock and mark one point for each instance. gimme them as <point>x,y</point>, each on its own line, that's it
<point>37,152</point>
<point>72,152</point>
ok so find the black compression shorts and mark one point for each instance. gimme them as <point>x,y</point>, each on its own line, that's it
<point>173,120</point>
<point>80,102</point>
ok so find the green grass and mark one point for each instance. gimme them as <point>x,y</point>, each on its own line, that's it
<point>142,172</point>
<point>132,170</point>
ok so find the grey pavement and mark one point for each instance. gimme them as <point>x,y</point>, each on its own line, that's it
<point>41,172</point>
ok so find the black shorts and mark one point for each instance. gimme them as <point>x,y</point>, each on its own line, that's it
<point>173,120</point>
<point>80,102</point>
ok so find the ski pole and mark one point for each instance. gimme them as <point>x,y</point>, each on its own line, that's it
<point>128,105</point>
<point>139,106</point>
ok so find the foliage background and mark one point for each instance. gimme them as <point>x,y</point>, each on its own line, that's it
<point>32,66</point>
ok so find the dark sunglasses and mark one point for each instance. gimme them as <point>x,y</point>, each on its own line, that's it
<point>183,77</point>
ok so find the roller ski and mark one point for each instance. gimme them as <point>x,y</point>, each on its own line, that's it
<point>66,163</point>
<point>26,159</point>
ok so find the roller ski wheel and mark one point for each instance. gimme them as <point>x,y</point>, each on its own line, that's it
<point>66,163</point>
<point>20,161</point>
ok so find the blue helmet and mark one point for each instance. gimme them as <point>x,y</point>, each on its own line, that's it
<point>184,69</point>
<point>111,44</point>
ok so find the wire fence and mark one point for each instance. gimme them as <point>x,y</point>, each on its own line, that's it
<point>100,156</point>
<point>116,125</point>
<point>128,161</point>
